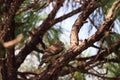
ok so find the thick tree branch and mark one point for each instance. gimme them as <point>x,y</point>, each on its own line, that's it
<point>88,9</point>
<point>46,25</point>
<point>75,50</point>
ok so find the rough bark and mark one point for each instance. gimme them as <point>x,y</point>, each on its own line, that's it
<point>12,7</point>
<point>87,10</point>
<point>76,50</point>
<point>47,24</point>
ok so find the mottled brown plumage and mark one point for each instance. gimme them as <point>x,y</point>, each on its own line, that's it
<point>53,50</point>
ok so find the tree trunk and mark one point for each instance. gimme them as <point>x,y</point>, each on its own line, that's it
<point>8,69</point>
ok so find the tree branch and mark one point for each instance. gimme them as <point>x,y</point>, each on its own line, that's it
<point>88,9</point>
<point>101,76</point>
<point>74,51</point>
<point>67,15</point>
<point>46,25</point>
<point>27,7</point>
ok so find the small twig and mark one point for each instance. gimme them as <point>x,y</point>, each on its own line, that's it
<point>91,67</point>
<point>26,73</point>
<point>40,7</point>
<point>27,8</point>
<point>92,22</point>
<point>67,15</point>
<point>101,76</point>
<point>100,72</point>
<point>96,46</point>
